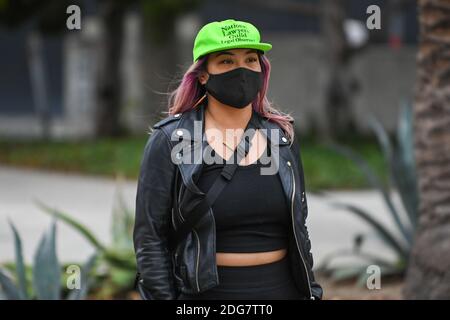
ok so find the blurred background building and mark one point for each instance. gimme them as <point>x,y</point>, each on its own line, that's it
<point>52,80</point>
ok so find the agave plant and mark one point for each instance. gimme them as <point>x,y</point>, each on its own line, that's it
<point>46,273</point>
<point>116,269</point>
<point>399,158</point>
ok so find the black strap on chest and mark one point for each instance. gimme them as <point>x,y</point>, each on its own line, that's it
<point>201,207</point>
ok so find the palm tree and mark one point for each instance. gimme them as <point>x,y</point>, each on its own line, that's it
<point>428,276</point>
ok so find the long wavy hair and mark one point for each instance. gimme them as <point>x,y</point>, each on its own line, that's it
<point>190,91</point>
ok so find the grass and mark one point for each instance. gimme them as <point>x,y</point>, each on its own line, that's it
<point>324,168</point>
<point>105,157</point>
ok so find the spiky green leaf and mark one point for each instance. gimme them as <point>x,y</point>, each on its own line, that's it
<point>20,265</point>
<point>377,184</point>
<point>88,234</point>
<point>385,234</point>
<point>8,288</point>
<point>46,271</point>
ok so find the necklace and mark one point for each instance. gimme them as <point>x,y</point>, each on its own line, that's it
<point>227,146</point>
<point>232,149</point>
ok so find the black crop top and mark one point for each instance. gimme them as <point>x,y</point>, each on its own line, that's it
<point>251,212</point>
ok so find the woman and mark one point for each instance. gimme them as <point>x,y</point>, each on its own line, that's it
<point>252,241</point>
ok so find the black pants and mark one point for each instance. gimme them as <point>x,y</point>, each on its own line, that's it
<point>268,281</point>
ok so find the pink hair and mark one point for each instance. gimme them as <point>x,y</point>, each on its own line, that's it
<point>188,93</point>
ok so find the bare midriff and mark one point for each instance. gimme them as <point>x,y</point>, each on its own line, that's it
<point>249,258</point>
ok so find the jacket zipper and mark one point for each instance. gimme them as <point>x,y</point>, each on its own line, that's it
<point>214,220</point>
<point>198,251</point>
<point>198,259</point>
<point>295,234</point>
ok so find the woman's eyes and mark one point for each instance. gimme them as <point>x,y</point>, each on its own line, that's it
<point>226,61</point>
<point>230,61</point>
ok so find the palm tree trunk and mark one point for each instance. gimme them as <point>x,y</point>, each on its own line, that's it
<point>428,276</point>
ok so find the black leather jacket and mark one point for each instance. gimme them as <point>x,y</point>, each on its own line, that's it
<point>166,187</point>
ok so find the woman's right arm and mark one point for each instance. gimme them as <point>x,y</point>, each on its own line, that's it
<point>153,219</point>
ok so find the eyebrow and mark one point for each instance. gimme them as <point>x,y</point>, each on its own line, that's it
<point>232,54</point>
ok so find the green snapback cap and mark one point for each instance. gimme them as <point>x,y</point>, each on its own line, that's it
<point>228,34</point>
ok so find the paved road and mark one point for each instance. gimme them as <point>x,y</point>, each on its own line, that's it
<point>90,200</point>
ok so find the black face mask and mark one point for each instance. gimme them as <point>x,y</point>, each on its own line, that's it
<point>235,88</point>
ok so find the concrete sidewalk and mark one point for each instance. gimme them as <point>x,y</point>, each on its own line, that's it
<point>90,200</point>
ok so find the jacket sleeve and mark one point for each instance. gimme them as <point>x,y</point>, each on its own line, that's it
<point>153,220</point>
<point>316,289</point>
